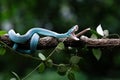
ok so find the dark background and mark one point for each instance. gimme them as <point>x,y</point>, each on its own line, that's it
<point>59,16</point>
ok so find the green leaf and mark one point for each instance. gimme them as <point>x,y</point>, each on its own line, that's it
<point>75,67</point>
<point>85,48</point>
<point>49,63</point>
<point>93,36</point>
<point>95,33</point>
<point>60,46</point>
<point>97,53</point>
<point>2,50</point>
<point>3,32</point>
<point>41,56</point>
<point>41,67</point>
<point>74,59</point>
<point>71,75</point>
<point>62,69</point>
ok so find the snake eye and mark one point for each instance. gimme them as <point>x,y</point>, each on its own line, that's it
<point>76,28</point>
<point>73,29</point>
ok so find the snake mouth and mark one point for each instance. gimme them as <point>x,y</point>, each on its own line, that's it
<point>73,36</point>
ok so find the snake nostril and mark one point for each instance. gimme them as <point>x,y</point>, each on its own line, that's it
<point>76,27</point>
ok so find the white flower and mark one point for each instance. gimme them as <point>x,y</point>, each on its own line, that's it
<point>100,30</point>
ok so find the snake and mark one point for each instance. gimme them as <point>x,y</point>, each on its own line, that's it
<point>34,36</point>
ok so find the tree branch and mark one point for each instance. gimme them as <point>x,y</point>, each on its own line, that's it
<point>50,42</point>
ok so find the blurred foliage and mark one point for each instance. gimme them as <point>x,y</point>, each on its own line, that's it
<point>60,15</point>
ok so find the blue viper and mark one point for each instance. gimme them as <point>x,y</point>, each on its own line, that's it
<point>33,36</point>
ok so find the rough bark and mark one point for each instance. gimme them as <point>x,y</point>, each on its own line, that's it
<point>50,42</point>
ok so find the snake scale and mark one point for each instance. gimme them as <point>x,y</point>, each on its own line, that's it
<point>34,35</point>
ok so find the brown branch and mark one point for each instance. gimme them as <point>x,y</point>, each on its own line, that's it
<point>101,42</point>
<point>50,42</point>
<point>82,32</point>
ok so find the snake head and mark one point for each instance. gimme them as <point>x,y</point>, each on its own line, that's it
<point>71,32</point>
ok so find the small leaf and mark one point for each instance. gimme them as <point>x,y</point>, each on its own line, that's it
<point>62,69</point>
<point>85,48</point>
<point>106,32</point>
<point>97,53</point>
<point>2,51</point>
<point>93,36</point>
<point>74,59</point>
<point>75,67</point>
<point>71,75</point>
<point>95,33</point>
<point>41,67</point>
<point>49,63</point>
<point>42,57</point>
<point>60,46</point>
<point>100,30</point>
<point>3,32</point>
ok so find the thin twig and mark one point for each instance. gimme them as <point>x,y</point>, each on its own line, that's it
<point>31,72</point>
<point>82,32</point>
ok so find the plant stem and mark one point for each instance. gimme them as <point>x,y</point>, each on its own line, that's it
<point>53,51</point>
<point>30,72</point>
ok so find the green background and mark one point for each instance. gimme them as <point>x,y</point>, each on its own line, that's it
<point>59,16</point>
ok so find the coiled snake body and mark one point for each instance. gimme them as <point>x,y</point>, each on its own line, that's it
<point>33,36</point>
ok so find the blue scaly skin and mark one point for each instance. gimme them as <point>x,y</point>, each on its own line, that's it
<point>33,36</point>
